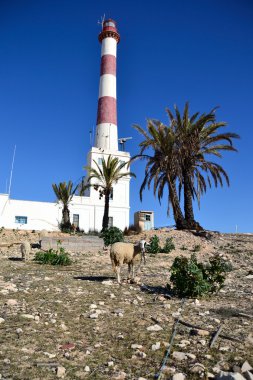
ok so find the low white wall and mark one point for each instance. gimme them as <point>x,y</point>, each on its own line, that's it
<point>47,215</point>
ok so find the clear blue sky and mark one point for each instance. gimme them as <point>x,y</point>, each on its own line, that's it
<point>170,52</point>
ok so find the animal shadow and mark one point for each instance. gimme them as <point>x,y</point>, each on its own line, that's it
<point>94,278</point>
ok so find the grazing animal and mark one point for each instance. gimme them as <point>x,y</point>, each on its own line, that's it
<point>25,249</point>
<point>126,253</point>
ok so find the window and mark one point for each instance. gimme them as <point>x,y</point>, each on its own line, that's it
<point>99,161</point>
<point>76,220</point>
<point>148,217</point>
<point>110,221</point>
<point>109,23</point>
<point>111,194</point>
<point>21,219</point>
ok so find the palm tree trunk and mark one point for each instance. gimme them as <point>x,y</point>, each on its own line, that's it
<point>188,208</point>
<point>177,212</point>
<point>106,211</point>
<point>65,215</point>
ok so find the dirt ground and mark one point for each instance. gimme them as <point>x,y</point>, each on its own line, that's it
<point>76,322</point>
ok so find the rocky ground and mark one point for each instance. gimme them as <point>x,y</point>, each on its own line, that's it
<point>75,322</point>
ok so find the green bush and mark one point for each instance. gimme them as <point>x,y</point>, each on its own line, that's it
<point>168,246</point>
<point>112,235</point>
<point>153,246</point>
<point>53,257</point>
<point>196,248</point>
<point>192,279</point>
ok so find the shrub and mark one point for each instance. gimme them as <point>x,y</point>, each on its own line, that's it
<point>153,246</point>
<point>111,235</point>
<point>196,248</point>
<point>168,246</point>
<point>192,279</point>
<point>53,257</point>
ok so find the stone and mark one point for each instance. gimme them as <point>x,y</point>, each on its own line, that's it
<point>136,346</point>
<point>2,320</point>
<point>37,318</point>
<point>197,368</point>
<point>87,368</point>
<point>210,375</point>
<point>154,328</point>
<point>27,316</point>
<point>67,346</point>
<point>110,364</point>
<point>191,356</point>
<point>141,354</point>
<point>246,367</point>
<point>60,372</point>
<point>200,332</point>
<point>11,302</point>
<point>93,306</point>
<point>229,376</point>
<point>120,376</point>
<point>179,355</point>
<point>19,331</point>
<point>156,346</point>
<point>94,316</point>
<point>178,376</point>
<point>224,348</point>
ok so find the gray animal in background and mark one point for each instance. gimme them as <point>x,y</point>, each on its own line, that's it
<point>25,249</point>
<point>126,253</point>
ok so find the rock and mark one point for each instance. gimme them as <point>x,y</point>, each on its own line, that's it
<point>191,356</point>
<point>60,372</point>
<point>224,349</point>
<point>142,378</point>
<point>136,346</point>
<point>94,316</point>
<point>67,346</point>
<point>110,364</point>
<point>179,355</point>
<point>37,318</point>
<point>246,367</point>
<point>11,302</point>
<point>154,328</point>
<point>249,277</point>
<point>156,346</point>
<point>107,282</point>
<point>87,368</point>
<point>248,375</point>
<point>2,320</point>
<point>120,376</point>
<point>197,368</point>
<point>229,376</point>
<point>93,306</point>
<point>200,332</point>
<point>19,331</point>
<point>27,316</point>
<point>101,303</point>
<point>178,376</point>
<point>141,354</point>
<point>202,341</point>
<point>210,375</point>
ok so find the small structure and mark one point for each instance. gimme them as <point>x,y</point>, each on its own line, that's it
<point>144,220</point>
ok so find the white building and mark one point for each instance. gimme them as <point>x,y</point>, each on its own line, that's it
<point>87,211</point>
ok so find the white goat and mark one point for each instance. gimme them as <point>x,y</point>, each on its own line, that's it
<point>25,249</point>
<point>126,253</point>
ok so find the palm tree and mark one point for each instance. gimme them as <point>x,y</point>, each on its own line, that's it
<point>103,178</point>
<point>162,167</point>
<point>64,193</point>
<point>198,136</point>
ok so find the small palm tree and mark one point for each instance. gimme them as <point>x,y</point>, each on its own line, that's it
<point>64,193</point>
<point>197,137</point>
<point>103,178</point>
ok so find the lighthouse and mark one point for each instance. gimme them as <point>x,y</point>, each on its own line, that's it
<point>106,135</point>
<point>106,130</point>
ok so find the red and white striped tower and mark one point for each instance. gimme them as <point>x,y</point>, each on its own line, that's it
<point>106,131</point>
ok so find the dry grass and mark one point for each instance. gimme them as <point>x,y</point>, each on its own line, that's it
<point>61,298</point>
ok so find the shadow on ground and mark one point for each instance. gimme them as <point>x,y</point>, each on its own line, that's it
<point>94,278</point>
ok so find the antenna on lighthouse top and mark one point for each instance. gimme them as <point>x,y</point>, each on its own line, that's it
<point>102,21</point>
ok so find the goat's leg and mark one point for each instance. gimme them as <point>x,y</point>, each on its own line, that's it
<point>118,274</point>
<point>129,271</point>
<point>133,272</point>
